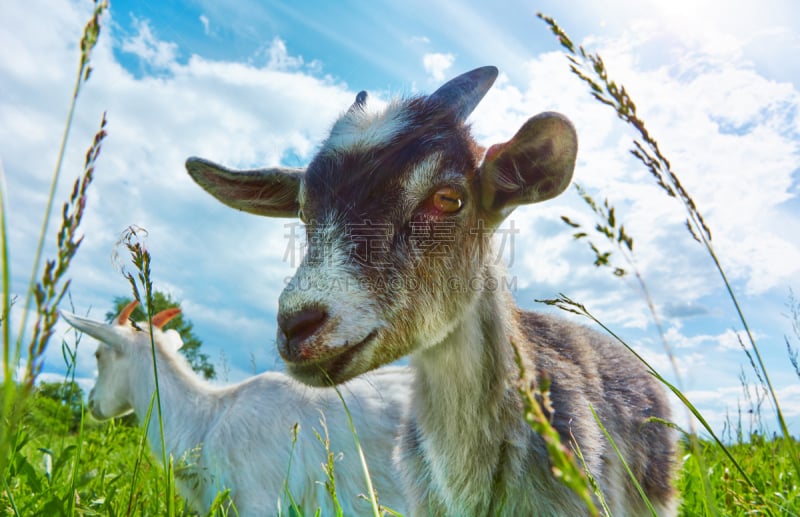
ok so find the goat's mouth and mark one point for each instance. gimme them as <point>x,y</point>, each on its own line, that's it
<point>323,366</point>
<point>97,413</point>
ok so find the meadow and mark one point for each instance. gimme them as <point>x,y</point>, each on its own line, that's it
<point>106,469</point>
<point>56,460</point>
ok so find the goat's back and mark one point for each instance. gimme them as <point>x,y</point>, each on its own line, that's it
<point>586,368</point>
<point>254,427</point>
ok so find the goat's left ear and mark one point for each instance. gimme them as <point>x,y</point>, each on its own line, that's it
<point>535,165</point>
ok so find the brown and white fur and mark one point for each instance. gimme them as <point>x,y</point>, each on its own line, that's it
<point>239,437</point>
<point>399,207</point>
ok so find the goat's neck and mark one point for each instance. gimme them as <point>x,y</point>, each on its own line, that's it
<point>184,401</point>
<point>472,369</point>
<point>466,397</point>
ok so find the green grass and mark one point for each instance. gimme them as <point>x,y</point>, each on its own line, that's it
<point>89,473</point>
<point>56,461</point>
<point>766,461</point>
<point>104,456</point>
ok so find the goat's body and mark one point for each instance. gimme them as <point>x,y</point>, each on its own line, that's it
<point>256,439</point>
<point>400,206</point>
<point>466,451</point>
<point>239,437</point>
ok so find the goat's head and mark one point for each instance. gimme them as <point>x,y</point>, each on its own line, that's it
<point>118,345</point>
<point>399,209</point>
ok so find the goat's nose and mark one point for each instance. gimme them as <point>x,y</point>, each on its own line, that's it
<point>299,326</point>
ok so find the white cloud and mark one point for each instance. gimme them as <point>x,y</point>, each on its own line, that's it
<point>732,340</point>
<point>691,112</point>
<point>419,40</point>
<point>279,58</point>
<point>729,408</point>
<point>727,340</point>
<point>437,64</point>
<point>206,24</point>
<point>144,44</point>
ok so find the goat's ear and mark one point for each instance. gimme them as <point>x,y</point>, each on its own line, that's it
<point>172,340</point>
<point>535,165</point>
<point>269,192</point>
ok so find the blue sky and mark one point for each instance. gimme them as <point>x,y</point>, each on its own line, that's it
<point>253,84</point>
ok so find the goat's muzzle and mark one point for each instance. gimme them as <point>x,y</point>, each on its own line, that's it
<point>303,343</point>
<point>296,329</point>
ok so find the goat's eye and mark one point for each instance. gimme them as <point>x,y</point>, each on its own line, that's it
<point>447,200</point>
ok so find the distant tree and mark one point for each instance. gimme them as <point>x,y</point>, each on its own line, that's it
<point>191,343</point>
<point>56,406</point>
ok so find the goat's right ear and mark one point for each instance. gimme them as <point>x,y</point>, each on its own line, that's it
<point>535,165</point>
<point>172,340</point>
<point>269,192</point>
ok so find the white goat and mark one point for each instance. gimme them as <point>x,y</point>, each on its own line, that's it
<point>400,206</point>
<point>239,437</point>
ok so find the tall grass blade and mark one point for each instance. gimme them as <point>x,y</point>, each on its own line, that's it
<point>133,240</point>
<point>47,294</point>
<point>286,489</point>
<point>76,465</point>
<point>5,270</point>
<point>373,498</point>
<point>566,304</point>
<point>140,454</point>
<point>170,473</point>
<point>91,32</point>
<point>624,463</point>
<point>591,69</point>
<point>10,495</point>
<point>564,466</point>
<point>9,386</point>
<point>329,466</point>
